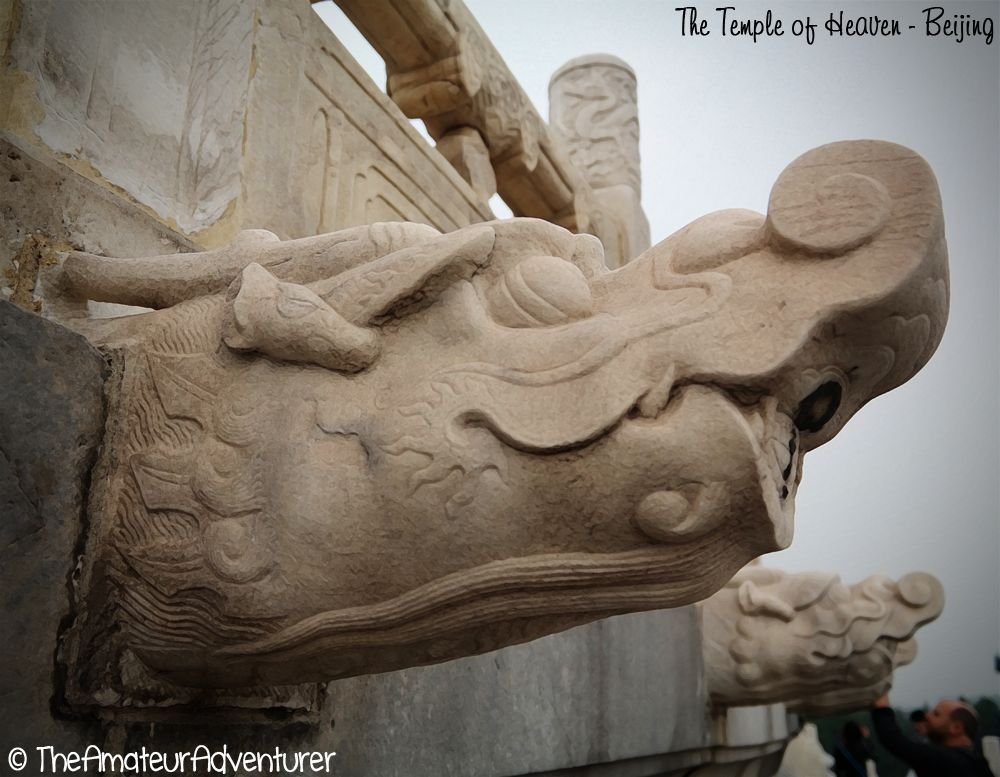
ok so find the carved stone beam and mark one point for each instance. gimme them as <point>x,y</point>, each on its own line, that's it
<point>809,641</point>
<point>593,109</point>
<point>443,69</point>
<point>387,447</point>
<point>465,150</point>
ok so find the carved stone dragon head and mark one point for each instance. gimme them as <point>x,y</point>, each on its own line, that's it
<point>849,698</point>
<point>808,640</point>
<point>386,446</point>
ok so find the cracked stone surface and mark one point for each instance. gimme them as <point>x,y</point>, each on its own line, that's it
<point>51,423</point>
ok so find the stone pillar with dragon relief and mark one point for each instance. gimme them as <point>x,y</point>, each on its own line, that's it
<point>593,109</point>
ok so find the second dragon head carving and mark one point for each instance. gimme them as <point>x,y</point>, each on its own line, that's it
<point>386,447</point>
<point>808,640</point>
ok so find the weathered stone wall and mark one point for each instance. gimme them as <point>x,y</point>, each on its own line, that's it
<point>325,148</point>
<point>51,424</point>
<point>619,689</point>
<point>46,208</point>
<point>201,119</point>
<point>146,98</point>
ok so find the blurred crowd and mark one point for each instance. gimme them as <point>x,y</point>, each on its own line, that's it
<point>947,740</point>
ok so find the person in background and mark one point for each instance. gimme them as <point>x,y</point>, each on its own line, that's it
<point>951,727</point>
<point>853,751</point>
<point>918,720</point>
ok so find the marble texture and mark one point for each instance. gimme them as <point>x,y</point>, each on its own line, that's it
<point>807,640</point>
<point>214,117</point>
<point>385,447</point>
<point>593,109</point>
<point>51,424</point>
<point>442,68</point>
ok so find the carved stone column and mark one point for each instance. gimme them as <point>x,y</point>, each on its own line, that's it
<point>594,110</point>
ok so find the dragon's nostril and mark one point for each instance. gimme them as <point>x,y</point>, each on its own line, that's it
<point>819,407</point>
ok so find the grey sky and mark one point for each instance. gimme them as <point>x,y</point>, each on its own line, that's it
<point>912,482</point>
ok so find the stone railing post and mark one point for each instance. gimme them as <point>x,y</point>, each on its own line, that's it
<point>594,110</point>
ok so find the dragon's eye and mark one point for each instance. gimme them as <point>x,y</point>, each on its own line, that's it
<point>819,407</point>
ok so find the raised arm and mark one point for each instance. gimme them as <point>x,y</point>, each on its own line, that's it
<point>897,743</point>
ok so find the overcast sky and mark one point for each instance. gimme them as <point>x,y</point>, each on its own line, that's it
<point>911,483</point>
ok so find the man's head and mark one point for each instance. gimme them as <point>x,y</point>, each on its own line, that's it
<point>918,719</point>
<point>952,723</point>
